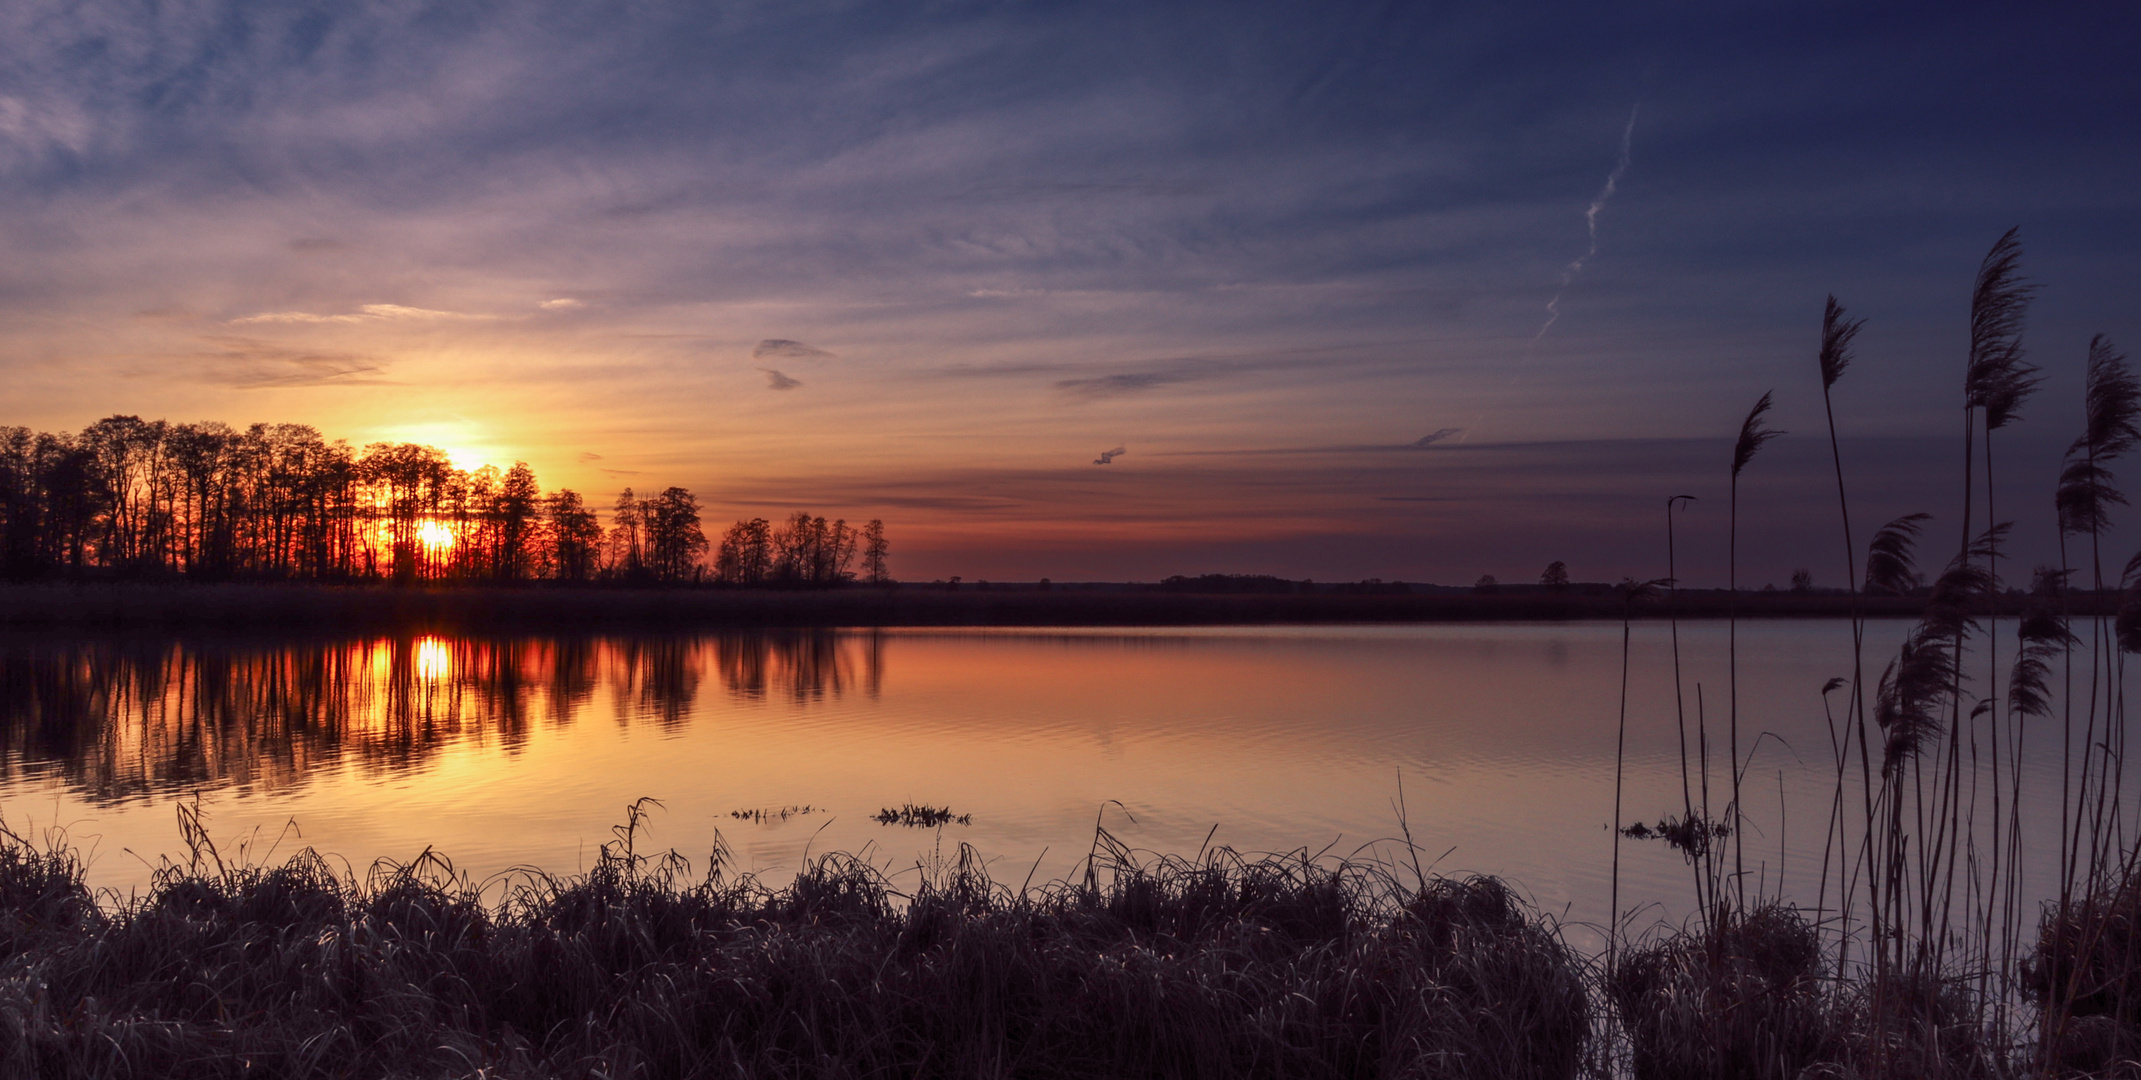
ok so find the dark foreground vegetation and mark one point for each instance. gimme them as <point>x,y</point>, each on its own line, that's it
<point>1224,967</point>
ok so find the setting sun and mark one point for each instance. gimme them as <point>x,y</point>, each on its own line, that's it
<point>435,536</point>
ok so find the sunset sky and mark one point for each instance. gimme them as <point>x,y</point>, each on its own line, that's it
<point>927,263</point>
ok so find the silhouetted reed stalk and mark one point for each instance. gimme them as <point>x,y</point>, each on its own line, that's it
<point>1697,862</point>
<point>1753,433</point>
<point>1997,382</point>
<point>2088,869</point>
<point>1837,334</point>
<point>1632,592</point>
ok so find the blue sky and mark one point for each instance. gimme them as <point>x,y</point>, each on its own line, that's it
<point>928,262</point>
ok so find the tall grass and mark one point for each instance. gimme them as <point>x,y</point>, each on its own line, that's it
<point>1931,889</point>
<point>1225,966</point>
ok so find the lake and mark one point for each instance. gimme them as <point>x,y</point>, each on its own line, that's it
<point>501,752</point>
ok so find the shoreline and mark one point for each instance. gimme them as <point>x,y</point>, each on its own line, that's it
<point>307,606</point>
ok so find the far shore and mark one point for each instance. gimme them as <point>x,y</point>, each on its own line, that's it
<point>550,608</point>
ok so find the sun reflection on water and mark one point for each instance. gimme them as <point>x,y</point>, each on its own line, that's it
<point>434,661</point>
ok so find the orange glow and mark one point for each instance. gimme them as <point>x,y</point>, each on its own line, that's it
<point>436,538</point>
<point>434,661</point>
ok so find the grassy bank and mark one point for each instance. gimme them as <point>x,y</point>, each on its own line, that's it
<point>1224,967</point>
<point>372,608</point>
<point>1221,967</point>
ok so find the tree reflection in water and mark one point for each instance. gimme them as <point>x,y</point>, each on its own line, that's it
<point>120,718</point>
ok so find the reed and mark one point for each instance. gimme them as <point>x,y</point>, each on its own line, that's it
<point>1753,434</point>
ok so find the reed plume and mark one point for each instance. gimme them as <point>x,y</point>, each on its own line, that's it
<point>1891,556</point>
<point>1907,704</point>
<point>1754,432</point>
<point>1837,333</point>
<point>2043,636</point>
<point>1997,380</point>
<point>2111,407</point>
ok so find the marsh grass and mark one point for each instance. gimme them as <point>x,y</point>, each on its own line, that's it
<point>920,816</point>
<point>1223,966</point>
<point>766,816</point>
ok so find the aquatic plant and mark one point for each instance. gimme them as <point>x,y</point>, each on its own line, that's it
<point>928,817</point>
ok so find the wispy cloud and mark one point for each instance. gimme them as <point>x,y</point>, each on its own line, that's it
<point>777,381</point>
<point>1108,456</point>
<point>366,313</point>
<point>1425,442</point>
<point>1134,382</point>
<point>562,303</point>
<point>246,364</point>
<point>783,349</point>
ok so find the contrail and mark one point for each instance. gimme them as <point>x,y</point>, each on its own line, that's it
<point>1590,221</point>
<point>1575,266</point>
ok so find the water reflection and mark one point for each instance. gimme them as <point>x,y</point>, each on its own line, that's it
<point>120,719</point>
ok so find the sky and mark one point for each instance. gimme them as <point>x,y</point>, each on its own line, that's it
<point>1092,291</point>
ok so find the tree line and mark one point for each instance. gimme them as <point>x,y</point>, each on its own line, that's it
<point>128,497</point>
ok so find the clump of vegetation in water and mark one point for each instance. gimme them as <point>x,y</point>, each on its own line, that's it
<point>768,817</point>
<point>1276,966</point>
<point>927,817</point>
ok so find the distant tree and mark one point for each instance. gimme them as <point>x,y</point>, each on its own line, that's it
<point>746,553</point>
<point>809,552</point>
<point>411,480</point>
<point>575,537</point>
<point>1486,584</point>
<point>874,548</point>
<point>1803,581</point>
<point>514,516</point>
<point>1556,576</point>
<point>2048,581</point>
<point>627,551</point>
<point>129,495</point>
<point>674,541</point>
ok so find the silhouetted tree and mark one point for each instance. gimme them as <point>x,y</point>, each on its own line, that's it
<point>874,549</point>
<point>627,556</point>
<point>134,496</point>
<point>513,511</point>
<point>1556,576</point>
<point>674,541</point>
<point>575,536</point>
<point>746,553</point>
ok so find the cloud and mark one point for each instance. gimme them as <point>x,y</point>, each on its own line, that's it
<point>1107,456</point>
<point>366,313</point>
<point>1425,442</point>
<point>246,364</point>
<point>783,349</point>
<point>777,381</point>
<point>562,303</point>
<point>315,244</point>
<point>589,455</point>
<point>1119,385</point>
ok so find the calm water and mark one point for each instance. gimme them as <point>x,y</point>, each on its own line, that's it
<point>505,752</point>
